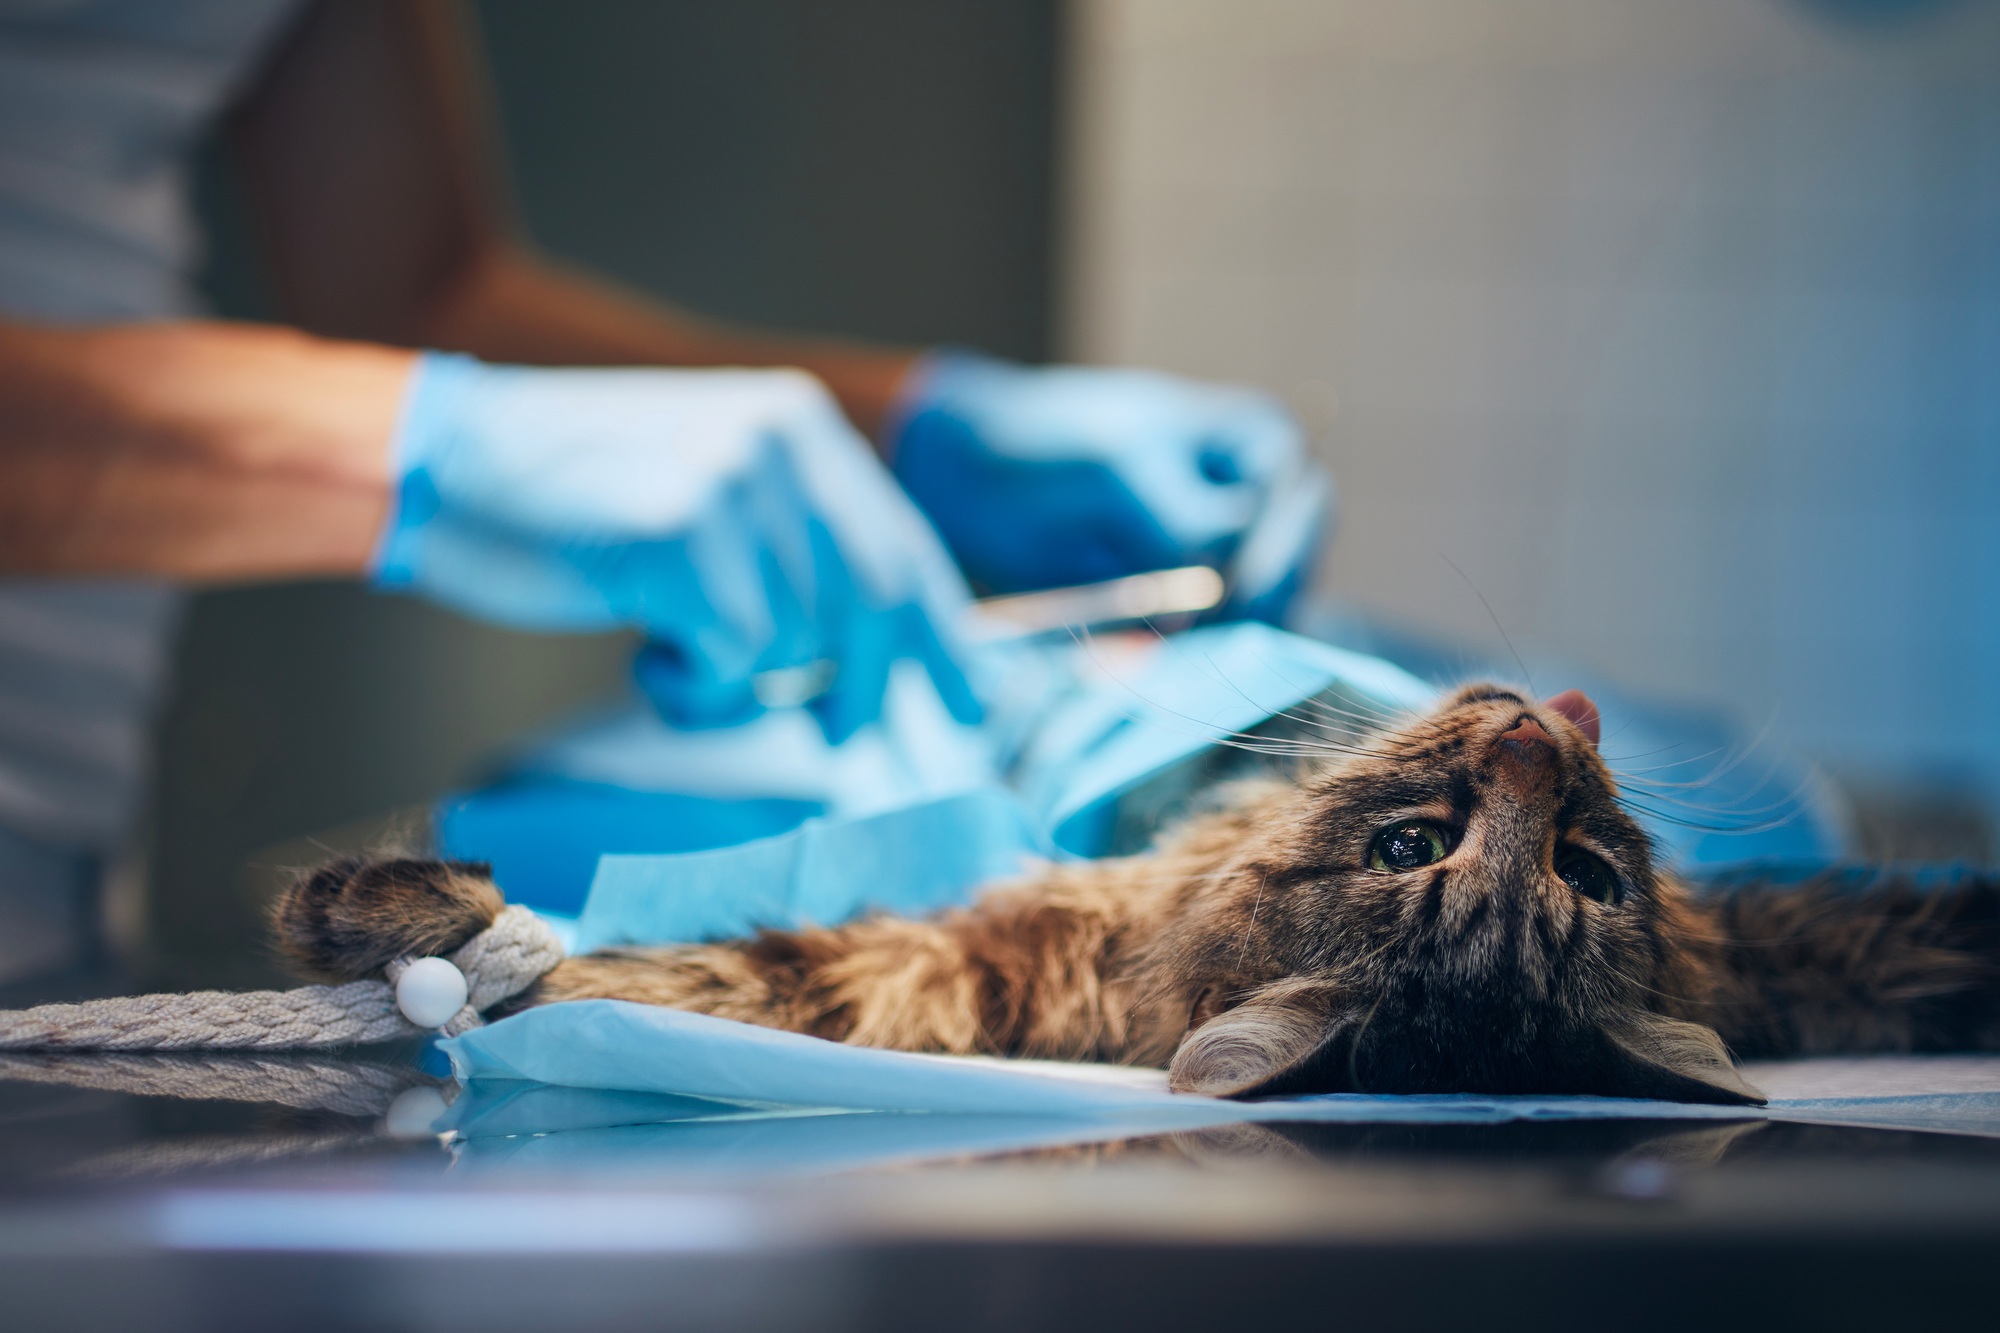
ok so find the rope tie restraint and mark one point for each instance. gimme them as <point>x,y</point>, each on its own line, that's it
<point>419,995</point>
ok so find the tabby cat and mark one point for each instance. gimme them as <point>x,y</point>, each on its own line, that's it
<point>1460,904</point>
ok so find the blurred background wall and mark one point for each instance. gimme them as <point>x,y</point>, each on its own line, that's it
<point>882,168</point>
<point>1676,326</point>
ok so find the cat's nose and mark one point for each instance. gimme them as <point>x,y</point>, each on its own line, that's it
<point>1527,732</point>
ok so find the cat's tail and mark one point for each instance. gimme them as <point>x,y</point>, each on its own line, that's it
<point>344,920</point>
<point>1852,960</point>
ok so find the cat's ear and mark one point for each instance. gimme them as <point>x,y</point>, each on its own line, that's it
<point>1666,1059</point>
<point>1578,708</point>
<point>1253,1047</point>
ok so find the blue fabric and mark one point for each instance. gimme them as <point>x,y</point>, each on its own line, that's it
<point>543,837</point>
<point>1041,478</point>
<point>601,1076</point>
<point>910,861</point>
<point>733,516</point>
<point>612,1044</point>
<point>625,781</point>
<point>1177,698</point>
<point>1083,727</point>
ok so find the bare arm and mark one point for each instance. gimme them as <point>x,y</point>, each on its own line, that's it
<point>193,450</point>
<point>378,202</point>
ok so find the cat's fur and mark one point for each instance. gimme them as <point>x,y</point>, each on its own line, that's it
<point>1256,950</point>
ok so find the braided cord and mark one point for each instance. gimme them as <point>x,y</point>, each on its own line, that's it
<point>500,962</point>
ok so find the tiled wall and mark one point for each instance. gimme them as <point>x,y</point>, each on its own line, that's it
<point>1675,324</point>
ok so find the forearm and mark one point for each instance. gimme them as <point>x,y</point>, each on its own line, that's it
<point>192,450</point>
<point>507,304</point>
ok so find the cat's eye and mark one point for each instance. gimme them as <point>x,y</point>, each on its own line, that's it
<point>1588,876</point>
<point>1409,846</point>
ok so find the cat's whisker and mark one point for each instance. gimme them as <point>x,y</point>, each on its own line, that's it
<point>1354,1047</point>
<point>1636,984</point>
<point>1364,715</point>
<point>1762,826</point>
<point>1789,801</point>
<point>1640,777</point>
<point>1367,715</point>
<point>1745,748</point>
<point>1336,730</point>
<point>1249,740</point>
<point>1677,792</point>
<point>1371,717</point>
<point>1616,762</point>
<point>1787,797</point>
<point>1741,756</point>
<point>1360,723</point>
<point>1256,907</point>
<point>1243,740</point>
<point>1222,677</point>
<point>1344,744</point>
<point>1504,636</point>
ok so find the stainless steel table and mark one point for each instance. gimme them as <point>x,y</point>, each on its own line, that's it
<point>133,1212</point>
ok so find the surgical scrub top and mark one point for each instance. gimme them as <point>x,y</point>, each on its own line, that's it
<point>101,105</point>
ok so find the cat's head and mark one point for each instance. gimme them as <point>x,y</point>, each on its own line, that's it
<point>1463,907</point>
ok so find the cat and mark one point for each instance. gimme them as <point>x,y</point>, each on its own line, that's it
<point>1460,903</point>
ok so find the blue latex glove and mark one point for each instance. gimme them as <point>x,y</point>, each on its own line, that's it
<point>1040,478</point>
<point>733,516</point>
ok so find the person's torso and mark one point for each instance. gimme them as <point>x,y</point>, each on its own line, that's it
<point>101,105</point>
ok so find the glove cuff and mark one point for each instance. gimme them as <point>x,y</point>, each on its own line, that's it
<point>426,428</point>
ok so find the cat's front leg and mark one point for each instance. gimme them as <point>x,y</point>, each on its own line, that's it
<point>1019,973</point>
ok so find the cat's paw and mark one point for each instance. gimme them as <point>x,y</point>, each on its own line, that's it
<point>347,918</point>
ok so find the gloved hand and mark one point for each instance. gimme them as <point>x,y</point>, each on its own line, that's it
<point>1039,478</point>
<point>733,516</point>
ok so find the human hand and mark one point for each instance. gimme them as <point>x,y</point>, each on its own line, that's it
<point>1040,478</point>
<point>732,516</point>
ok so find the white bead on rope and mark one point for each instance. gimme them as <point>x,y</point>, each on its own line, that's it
<point>430,991</point>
